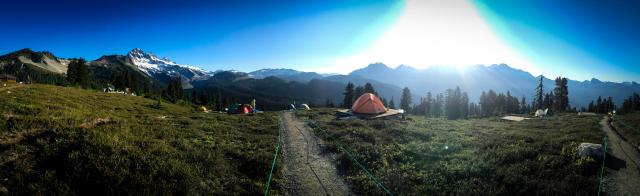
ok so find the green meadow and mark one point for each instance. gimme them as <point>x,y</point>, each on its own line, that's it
<point>489,156</point>
<point>68,141</point>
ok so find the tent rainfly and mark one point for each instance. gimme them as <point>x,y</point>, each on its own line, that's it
<point>368,104</point>
<point>541,113</point>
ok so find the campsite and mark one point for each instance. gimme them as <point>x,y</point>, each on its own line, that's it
<point>325,97</point>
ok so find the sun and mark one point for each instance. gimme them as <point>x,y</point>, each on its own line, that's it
<point>437,33</point>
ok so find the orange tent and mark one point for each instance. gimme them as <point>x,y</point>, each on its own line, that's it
<point>368,104</point>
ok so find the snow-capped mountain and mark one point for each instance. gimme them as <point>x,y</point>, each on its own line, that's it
<point>152,66</point>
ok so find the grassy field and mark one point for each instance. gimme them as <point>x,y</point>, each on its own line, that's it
<point>628,125</point>
<point>432,156</point>
<point>67,141</point>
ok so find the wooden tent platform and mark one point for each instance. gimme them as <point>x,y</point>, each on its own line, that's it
<point>514,118</point>
<point>347,112</point>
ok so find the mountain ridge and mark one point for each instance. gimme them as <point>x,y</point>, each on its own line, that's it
<point>497,77</point>
<point>435,79</point>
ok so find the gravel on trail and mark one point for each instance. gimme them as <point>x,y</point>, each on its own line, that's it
<point>308,169</point>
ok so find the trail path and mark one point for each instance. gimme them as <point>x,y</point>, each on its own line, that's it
<point>623,164</point>
<point>309,170</point>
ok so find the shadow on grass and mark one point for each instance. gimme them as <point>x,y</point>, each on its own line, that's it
<point>614,163</point>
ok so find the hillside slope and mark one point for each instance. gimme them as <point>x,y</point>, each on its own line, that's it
<point>62,141</point>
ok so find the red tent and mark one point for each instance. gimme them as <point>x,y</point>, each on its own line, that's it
<point>368,104</point>
<point>244,109</point>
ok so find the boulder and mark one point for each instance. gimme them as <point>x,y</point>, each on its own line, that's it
<point>591,150</point>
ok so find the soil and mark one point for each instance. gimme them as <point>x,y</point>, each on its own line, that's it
<point>308,169</point>
<point>622,175</point>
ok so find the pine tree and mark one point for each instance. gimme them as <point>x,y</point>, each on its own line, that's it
<point>368,88</point>
<point>429,105</point>
<point>83,73</point>
<point>405,100</point>
<point>561,99</point>
<point>439,104</point>
<point>599,105</point>
<point>358,91</point>
<point>194,97</point>
<point>174,90</point>
<point>392,105</point>
<point>348,96</point>
<point>539,99</point>
<point>204,99</point>
<point>464,105</point>
<point>484,104</point>
<point>523,106</point>
<point>548,100</point>
<point>72,72</point>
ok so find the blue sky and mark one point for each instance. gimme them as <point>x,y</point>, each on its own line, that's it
<point>577,39</point>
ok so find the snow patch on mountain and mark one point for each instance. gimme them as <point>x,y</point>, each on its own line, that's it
<point>151,64</point>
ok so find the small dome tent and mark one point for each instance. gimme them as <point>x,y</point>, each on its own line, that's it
<point>245,109</point>
<point>202,109</point>
<point>368,104</point>
<point>240,109</point>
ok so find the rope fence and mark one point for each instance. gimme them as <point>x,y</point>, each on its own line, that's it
<point>341,145</point>
<point>602,168</point>
<point>275,155</point>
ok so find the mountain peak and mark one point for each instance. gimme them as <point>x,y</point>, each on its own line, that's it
<point>136,50</point>
<point>405,68</point>
<point>150,63</point>
<point>501,66</point>
<point>594,80</point>
<point>377,66</point>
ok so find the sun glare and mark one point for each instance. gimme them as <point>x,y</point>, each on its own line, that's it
<point>436,33</point>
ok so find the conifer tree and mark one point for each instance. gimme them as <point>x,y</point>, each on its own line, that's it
<point>539,95</point>
<point>348,96</point>
<point>405,100</point>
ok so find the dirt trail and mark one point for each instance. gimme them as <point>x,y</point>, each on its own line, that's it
<point>309,170</point>
<point>623,164</point>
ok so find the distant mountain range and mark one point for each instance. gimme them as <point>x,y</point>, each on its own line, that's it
<point>281,86</point>
<point>288,74</point>
<point>499,77</point>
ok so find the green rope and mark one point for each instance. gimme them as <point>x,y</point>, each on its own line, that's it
<point>602,168</point>
<point>275,157</point>
<point>376,180</point>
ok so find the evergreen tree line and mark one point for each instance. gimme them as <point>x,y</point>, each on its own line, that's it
<point>126,79</point>
<point>495,104</point>
<point>601,106</point>
<point>451,104</point>
<point>78,73</point>
<point>174,91</point>
<point>631,104</point>
<point>455,104</point>
<point>209,99</point>
<point>430,106</point>
<point>556,100</point>
<point>352,92</point>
